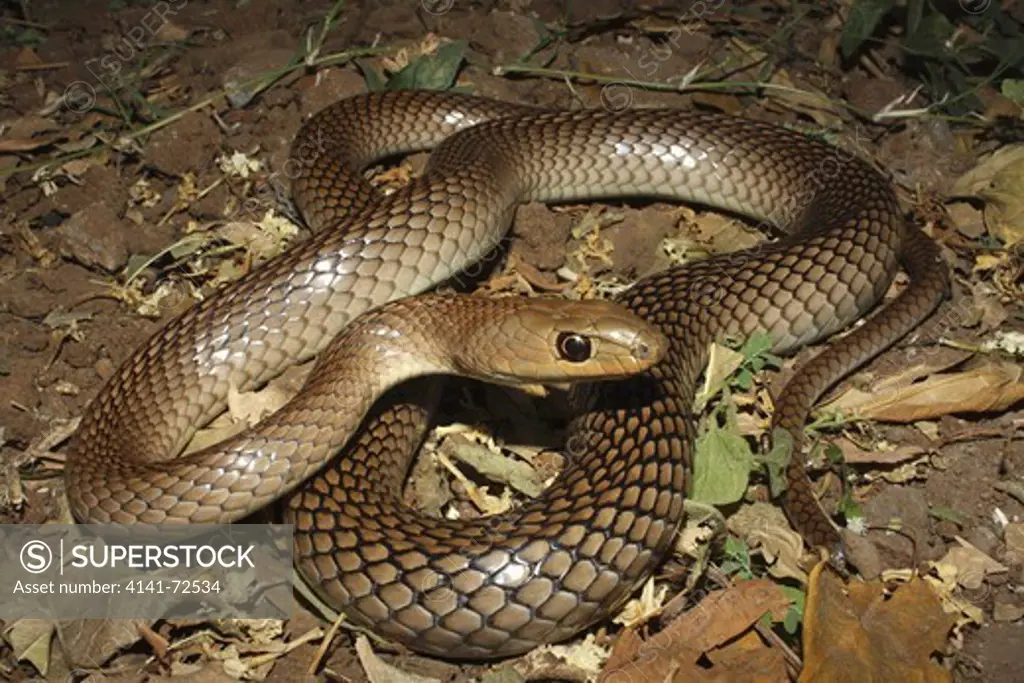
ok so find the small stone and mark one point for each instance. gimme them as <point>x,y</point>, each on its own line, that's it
<point>946,528</point>
<point>984,539</point>
<point>104,367</point>
<point>93,237</point>
<point>79,355</point>
<point>1014,537</point>
<point>862,554</point>
<point>33,340</point>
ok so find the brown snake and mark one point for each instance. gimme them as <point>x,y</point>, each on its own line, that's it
<point>545,570</point>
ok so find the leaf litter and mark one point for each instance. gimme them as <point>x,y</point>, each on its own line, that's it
<point>727,457</point>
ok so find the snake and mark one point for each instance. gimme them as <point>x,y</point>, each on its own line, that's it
<point>369,294</point>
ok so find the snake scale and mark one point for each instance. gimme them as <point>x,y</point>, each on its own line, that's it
<point>545,570</point>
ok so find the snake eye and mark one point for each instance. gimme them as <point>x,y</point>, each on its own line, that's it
<point>573,347</point>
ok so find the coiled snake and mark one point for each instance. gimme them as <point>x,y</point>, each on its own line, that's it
<point>538,574</point>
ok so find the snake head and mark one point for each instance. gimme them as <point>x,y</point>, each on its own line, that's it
<point>517,341</point>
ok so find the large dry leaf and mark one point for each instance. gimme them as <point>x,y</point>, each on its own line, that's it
<point>991,387</point>
<point>91,642</point>
<point>999,180</point>
<point>860,632</point>
<point>708,629</point>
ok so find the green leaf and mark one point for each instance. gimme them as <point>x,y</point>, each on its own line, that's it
<point>721,467</point>
<point>730,567</point>
<point>931,37</point>
<point>431,72</point>
<point>849,508</point>
<point>915,10</point>
<point>374,81</point>
<point>1013,89</point>
<point>863,20</point>
<point>795,615</point>
<point>757,353</point>
<point>776,460</point>
<point>949,515</point>
<point>737,558</point>
<point>834,454</point>
<point>756,344</point>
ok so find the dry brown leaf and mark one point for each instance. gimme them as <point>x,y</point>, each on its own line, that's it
<point>968,220</point>
<point>816,105</point>
<point>992,387</point>
<point>25,134</point>
<point>999,180</point>
<point>852,453</point>
<point>379,671</point>
<point>920,367</point>
<point>943,582</point>
<point>29,640</point>
<point>673,654</point>
<point>91,642</point>
<point>974,182</point>
<point>764,526</point>
<point>27,58</point>
<point>971,565</point>
<point>859,632</point>
<point>494,465</point>
<point>584,656</point>
<point>1006,612</point>
<point>534,277</point>
<point>246,408</point>
<point>746,659</point>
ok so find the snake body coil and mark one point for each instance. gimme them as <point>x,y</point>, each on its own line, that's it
<point>549,568</point>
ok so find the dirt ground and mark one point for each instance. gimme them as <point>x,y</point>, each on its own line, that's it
<point>104,197</point>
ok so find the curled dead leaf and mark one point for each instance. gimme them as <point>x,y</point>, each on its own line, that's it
<point>991,387</point>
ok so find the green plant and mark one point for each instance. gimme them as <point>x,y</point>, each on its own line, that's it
<point>953,48</point>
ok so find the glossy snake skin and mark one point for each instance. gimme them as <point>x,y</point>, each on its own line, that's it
<point>549,568</point>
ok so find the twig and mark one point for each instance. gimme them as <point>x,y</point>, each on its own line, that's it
<point>314,664</point>
<point>264,80</point>
<point>42,67</point>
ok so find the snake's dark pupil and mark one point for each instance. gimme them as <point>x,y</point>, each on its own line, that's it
<point>573,347</point>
